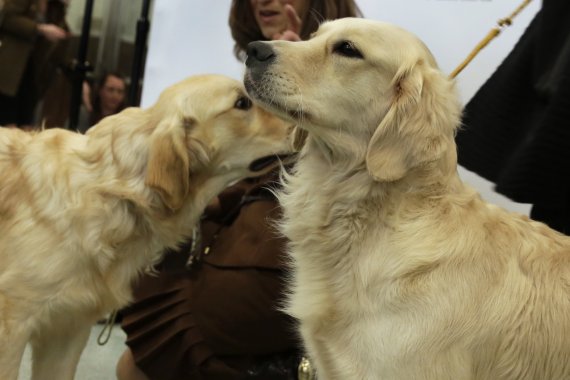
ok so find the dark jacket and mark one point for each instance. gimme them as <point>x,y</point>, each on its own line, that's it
<point>219,319</point>
<point>20,43</point>
<point>17,37</point>
<point>516,129</point>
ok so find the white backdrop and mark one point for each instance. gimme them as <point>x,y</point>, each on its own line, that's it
<point>192,37</point>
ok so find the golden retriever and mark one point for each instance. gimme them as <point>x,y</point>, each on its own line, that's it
<point>82,215</point>
<point>401,271</point>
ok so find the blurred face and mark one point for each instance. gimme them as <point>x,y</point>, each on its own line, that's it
<point>270,14</point>
<point>112,94</point>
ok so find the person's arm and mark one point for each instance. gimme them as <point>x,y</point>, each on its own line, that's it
<point>86,96</point>
<point>16,22</point>
<point>51,32</point>
<point>1,12</point>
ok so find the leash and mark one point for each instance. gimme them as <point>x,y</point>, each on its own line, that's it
<point>105,333</point>
<point>501,24</point>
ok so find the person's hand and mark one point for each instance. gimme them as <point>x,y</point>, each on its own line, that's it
<point>293,28</point>
<point>52,32</point>
<point>86,96</point>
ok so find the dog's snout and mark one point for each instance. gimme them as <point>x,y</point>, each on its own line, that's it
<point>259,52</point>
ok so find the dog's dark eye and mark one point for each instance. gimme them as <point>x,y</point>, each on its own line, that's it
<point>243,103</point>
<point>347,49</point>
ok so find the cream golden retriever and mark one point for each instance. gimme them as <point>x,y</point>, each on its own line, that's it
<point>401,271</point>
<point>82,215</point>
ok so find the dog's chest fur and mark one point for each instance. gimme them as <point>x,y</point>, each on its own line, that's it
<point>353,277</point>
<point>378,284</point>
<point>334,244</point>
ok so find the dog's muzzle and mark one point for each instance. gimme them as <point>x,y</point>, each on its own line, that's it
<point>260,55</point>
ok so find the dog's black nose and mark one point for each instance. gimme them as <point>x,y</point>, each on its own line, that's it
<point>259,52</point>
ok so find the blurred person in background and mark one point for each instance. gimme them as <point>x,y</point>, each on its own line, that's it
<point>108,98</point>
<point>291,20</point>
<point>33,36</point>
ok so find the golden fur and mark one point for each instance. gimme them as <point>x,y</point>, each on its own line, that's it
<point>401,271</point>
<point>82,215</point>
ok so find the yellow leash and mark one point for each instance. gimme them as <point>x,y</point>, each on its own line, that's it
<point>501,24</point>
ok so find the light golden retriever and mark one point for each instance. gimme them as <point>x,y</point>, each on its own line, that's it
<point>82,215</point>
<point>400,270</point>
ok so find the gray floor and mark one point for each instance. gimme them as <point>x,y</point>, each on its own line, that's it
<point>97,362</point>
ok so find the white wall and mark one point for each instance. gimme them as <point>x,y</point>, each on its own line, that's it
<point>188,37</point>
<point>192,37</point>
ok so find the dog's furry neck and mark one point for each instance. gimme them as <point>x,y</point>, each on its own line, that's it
<point>343,166</point>
<point>318,219</point>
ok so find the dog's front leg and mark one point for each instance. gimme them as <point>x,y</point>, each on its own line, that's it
<point>56,352</point>
<point>12,345</point>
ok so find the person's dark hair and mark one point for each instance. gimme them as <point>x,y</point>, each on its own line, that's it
<point>97,113</point>
<point>244,28</point>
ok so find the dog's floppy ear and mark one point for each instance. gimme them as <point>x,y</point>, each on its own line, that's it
<point>402,140</point>
<point>168,167</point>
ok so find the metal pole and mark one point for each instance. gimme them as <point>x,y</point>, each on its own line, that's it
<point>80,67</point>
<point>143,26</point>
